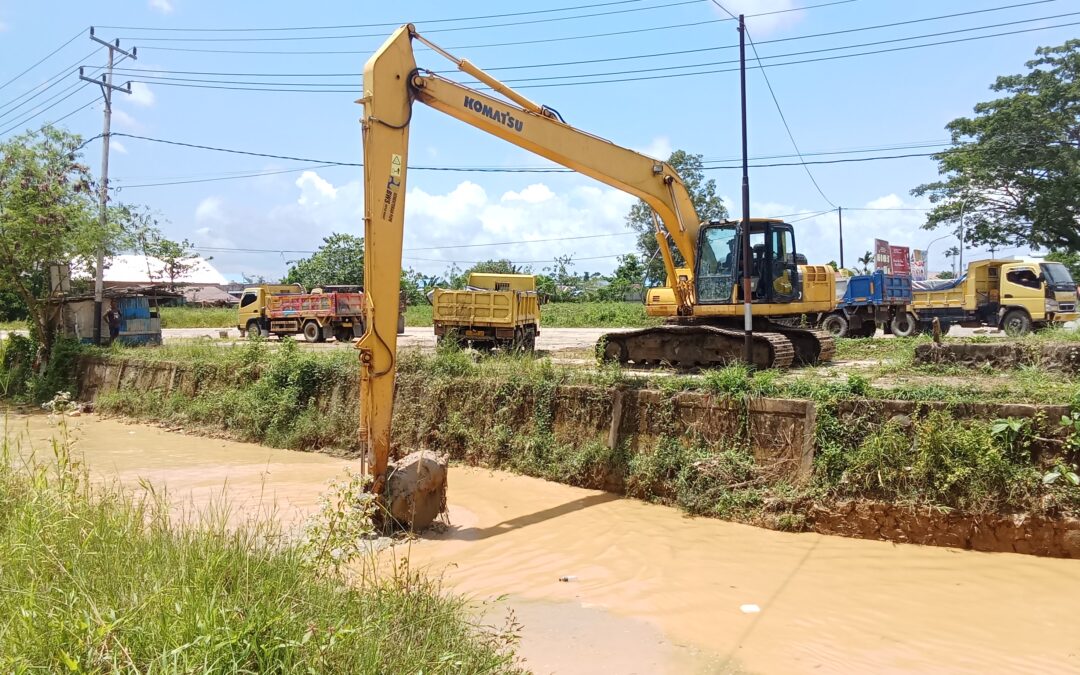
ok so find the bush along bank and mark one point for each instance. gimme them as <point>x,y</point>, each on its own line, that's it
<point>207,597</point>
<point>839,460</point>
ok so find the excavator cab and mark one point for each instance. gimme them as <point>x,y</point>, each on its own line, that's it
<point>774,263</point>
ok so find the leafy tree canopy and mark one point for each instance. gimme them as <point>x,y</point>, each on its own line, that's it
<point>707,203</point>
<point>49,216</point>
<point>338,262</point>
<point>1014,168</point>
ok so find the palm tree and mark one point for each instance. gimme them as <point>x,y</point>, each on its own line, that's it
<point>865,261</point>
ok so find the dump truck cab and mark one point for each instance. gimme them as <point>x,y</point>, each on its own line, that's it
<point>1016,295</point>
<point>251,313</point>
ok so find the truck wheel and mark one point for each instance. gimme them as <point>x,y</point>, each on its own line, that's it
<point>1016,323</point>
<point>313,332</point>
<point>253,330</point>
<point>904,325</point>
<point>836,324</point>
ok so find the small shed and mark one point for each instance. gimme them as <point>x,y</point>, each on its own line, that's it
<point>140,323</point>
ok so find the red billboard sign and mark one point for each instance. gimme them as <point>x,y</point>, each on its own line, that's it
<point>882,256</point>
<point>899,260</point>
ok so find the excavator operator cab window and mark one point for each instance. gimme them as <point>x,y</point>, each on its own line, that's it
<point>774,263</point>
<point>717,262</point>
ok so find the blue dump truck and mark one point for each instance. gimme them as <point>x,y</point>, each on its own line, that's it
<point>866,301</point>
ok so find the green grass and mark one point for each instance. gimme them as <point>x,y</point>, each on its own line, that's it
<point>198,317</point>
<point>97,580</point>
<point>12,325</point>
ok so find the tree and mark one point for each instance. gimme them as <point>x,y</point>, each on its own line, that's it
<point>459,278</point>
<point>177,258</point>
<point>48,216</point>
<point>707,203</point>
<point>338,262</point>
<point>951,254</point>
<point>865,261</point>
<point>1070,260</point>
<point>416,285</point>
<point>947,274</point>
<point>629,276</point>
<point>1014,168</point>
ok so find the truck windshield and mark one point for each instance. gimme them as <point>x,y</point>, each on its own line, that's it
<point>1057,274</point>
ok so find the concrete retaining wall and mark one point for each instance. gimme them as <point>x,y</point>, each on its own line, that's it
<point>1053,356</point>
<point>781,434</point>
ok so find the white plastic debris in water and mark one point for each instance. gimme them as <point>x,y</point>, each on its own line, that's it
<point>749,609</point>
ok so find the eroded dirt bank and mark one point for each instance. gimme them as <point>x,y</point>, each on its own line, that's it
<point>656,591</point>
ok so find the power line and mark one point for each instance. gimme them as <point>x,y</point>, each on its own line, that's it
<point>803,61</point>
<point>309,87</point>
<point>790,54</point>
<point>667,5</point>
<point>197,146</point>
<point>783,119</point>
<point>44,58</point>
<point>148,71</point>
<point>160,181</point>
<point>78,87</point>
<point>52,81</point>
<point>373,25</point>
<point>503,44</point>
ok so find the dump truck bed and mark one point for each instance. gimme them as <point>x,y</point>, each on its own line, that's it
<point>483,308</point>
<point>315,305</point>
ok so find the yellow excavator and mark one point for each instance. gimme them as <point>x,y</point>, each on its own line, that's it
<point>703,298</point>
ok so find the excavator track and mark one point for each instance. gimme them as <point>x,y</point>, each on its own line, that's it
<point>694,346</point>
<point>811,346</point>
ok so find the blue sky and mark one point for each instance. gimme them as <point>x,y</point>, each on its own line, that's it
<point>887,103</point>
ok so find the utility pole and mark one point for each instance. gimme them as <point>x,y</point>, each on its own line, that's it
<point>748,313</point>
<point>107,88</point>
<point>840,220</point>
<point>963,205</point>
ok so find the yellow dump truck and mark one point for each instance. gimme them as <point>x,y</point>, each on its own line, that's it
<point>493,310</point>
<point>1017,295</point>
<point>286,309</point>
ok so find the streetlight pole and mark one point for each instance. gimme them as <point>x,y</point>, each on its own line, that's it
<point>927,249</point>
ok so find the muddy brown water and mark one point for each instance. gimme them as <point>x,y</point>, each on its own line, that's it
<point>652,590</point>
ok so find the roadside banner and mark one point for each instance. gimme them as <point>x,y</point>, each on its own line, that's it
<point>899,263</point>
<point>882,256</point>
<point>918,265</point>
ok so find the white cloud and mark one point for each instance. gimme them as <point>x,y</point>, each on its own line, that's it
<point>117,146</point>
<point>125,121</point>
<point>545,222</point>
<point>773,14</point>
<point>534,194</point>
<point>314,189</point>
<point>141,95</point>
<point>163,6</point>
<point>209,210</point>
<point>658,148</point>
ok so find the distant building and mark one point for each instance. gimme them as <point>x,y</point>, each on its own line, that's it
<point>202,284</point>
<point>140,270</point>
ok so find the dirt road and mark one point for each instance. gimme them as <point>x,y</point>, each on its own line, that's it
<point>653,591</point>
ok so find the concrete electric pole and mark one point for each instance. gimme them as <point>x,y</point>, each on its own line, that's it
<point>107,88</point>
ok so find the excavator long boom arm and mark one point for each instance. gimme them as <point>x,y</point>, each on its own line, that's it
<point>392,82</point>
